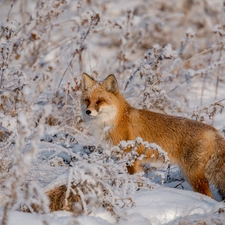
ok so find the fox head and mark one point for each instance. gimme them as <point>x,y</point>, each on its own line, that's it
<point>99,100</point>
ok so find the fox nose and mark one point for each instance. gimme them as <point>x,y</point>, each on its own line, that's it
<point>88,112</point>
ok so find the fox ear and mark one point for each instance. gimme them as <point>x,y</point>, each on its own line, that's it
<point>110,84</point>
<point>87,82</point>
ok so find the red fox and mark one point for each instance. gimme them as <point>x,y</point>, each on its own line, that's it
<point>198,148</point>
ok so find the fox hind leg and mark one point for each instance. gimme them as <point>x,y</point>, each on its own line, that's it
<point>200,184</point>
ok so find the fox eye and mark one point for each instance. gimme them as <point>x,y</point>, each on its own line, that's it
<point>87,101</point>
<point>99,101</point>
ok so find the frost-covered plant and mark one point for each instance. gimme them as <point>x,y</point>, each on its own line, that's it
<point>209,111</point>
<point>158,157</point>
<point>151,70</point>
<point>96,180</point>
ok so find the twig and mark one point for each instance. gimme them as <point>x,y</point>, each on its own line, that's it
<point>218,71</point>
<point>1,80</point>
<point>13,1</point>
<point>94,22</point>
<point>132,75</point>
<point>146,89</point>
<point>180,184</point>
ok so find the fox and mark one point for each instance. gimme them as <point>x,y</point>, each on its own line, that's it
<point>197,148</point>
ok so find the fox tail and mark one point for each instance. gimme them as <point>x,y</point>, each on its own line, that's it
<point>215,168</point>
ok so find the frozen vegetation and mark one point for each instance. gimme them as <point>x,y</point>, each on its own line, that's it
<point>168,56</point>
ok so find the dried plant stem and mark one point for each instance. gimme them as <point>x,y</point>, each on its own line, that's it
<point>94,22</point>
<point>13,1</point>
<point>146,89</point>
<point>1,79</point>
<point>221,100</point>
<point>132,75</point>
<point>218,72</point>
<point>204,81</point>
<point>5,214</point>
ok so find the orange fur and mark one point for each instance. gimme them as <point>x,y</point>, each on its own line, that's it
<point>197,148</point>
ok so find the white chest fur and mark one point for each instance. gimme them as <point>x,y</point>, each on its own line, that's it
<point>101,123</point>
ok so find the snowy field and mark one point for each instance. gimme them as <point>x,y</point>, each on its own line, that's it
<point>168,56</point>
<point>158,206</point>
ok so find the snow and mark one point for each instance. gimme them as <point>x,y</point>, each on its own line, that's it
<point>165,205</point>
<point>156,206</point>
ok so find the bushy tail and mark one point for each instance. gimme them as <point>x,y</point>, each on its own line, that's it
<point>215,168</point>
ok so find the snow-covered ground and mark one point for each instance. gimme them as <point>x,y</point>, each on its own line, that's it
<point>157,206</point>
